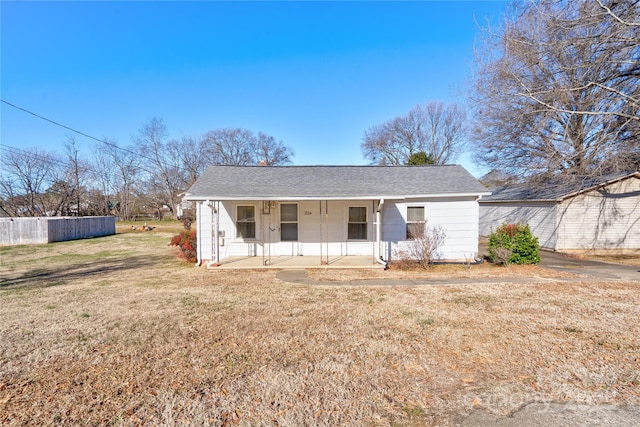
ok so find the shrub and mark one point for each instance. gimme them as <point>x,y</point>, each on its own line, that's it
<point>513,244</point>
<point>186,243</point>
<point>424,246</point>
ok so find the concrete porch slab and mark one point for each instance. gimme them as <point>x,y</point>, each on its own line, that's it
<point>297,262</point>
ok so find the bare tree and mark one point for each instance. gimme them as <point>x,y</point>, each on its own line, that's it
<point>8,193</point>
<point>435,128</point>
<point>242,147</point>
<point>556,89</point>
<point>126,175</point>
<point>103,173</point>
<point>76,171</point>
<point>230,146</point>
<point>28,173</point>
<point>193,156</point>
<point>272,152</point>
<point>161,162</point>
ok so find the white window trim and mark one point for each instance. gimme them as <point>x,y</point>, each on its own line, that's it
<point>235,222</point>
<point>367,238</point>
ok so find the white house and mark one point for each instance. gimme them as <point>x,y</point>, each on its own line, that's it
<point>330,211</point>
<point>600,214</point>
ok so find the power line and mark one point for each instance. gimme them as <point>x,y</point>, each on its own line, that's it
<point>40,156</point>
<point>75,131</point>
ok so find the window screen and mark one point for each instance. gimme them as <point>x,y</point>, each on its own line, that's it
<point>288,222</point>
<point>357,224</point>
<point>246,222</point>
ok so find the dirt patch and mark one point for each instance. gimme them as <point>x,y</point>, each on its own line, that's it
<point>117,331</point>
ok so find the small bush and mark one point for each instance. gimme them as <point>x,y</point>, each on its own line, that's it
<point>513,244</point>
<point>186,243</point>
<point>424,246</point>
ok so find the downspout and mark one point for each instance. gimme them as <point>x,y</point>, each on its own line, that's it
<point>379,258</point>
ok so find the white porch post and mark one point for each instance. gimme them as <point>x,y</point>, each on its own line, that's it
<point>215,210</point>
<point>379,257</point>
<point>198,233</point>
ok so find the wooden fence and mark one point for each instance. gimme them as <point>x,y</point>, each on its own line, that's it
<point>24,231</point>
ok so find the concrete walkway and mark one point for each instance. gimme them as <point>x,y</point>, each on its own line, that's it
<point>590,271</point>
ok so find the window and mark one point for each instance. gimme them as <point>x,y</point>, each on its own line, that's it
<point>246,222</point>
<point>288,222</point>
<point>415,222</point>
<point>357,224</point>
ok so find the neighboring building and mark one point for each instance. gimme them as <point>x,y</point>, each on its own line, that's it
<point>332,210</point>
<point>601,214</point>
<point>184,208</point>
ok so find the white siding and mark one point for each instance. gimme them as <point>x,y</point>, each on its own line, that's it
<point>314,236</point>
<point>458,217</point>
<point>541,218</point>
<point>607,218</point>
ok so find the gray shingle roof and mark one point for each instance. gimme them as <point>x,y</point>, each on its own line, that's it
<point>553,191</point>
<point>332,182</point>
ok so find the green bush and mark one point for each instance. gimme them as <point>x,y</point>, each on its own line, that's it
<point>514,244</point>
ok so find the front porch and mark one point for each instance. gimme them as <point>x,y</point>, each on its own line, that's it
<point>297,262</point>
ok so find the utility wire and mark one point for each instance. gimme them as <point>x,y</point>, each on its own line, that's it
<point>75,131</point>
<point>40,156</point>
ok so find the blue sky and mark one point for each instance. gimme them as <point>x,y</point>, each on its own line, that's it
<point>315,75</point>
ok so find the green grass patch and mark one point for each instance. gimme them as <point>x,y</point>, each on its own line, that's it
<point>426,322</point>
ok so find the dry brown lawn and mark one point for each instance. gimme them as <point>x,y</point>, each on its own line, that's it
<point>116,331</point>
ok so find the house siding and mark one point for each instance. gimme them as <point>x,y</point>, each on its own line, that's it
<point>312,230</point>
<point>458,217</point>
<point>605,218</point>
<point>541,217</point>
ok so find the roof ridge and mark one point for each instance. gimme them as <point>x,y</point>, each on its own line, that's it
<point>332,166</point>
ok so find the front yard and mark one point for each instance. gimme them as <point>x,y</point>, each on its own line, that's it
<point>116,331</point>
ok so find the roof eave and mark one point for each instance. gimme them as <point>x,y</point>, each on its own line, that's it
<point>602,184</point>
<point>521,201</point>
<point>343,197</point>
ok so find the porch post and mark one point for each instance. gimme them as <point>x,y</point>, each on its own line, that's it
<point>198,233</point>
<point>379,257</point>
<point>320,223</point>
<point>326,226</point>
<point>374,240</point>
<point>216,211</point>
